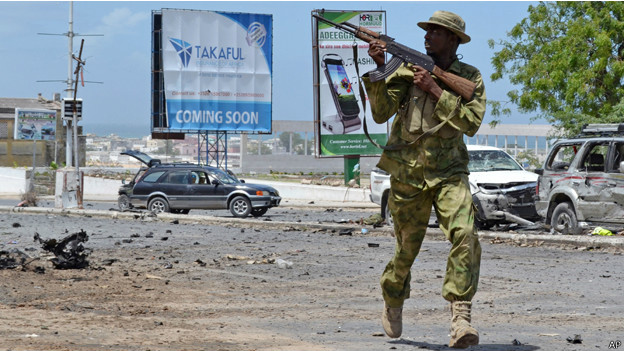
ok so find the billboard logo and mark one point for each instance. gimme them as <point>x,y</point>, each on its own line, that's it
<point>184,50</point>
<point>368,19</point>
<point>256,34</point>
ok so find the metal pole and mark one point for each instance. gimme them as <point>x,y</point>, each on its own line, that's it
<point>75,124</point>
<point>70,83</point>
<point>31,187</point>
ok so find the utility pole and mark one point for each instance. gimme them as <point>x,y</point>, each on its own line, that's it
<point>70,86</point>
<point>69,189</point>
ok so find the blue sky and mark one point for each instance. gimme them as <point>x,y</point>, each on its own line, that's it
<point>121,57</point>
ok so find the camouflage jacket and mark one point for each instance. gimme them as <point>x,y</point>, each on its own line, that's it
<point>435,157</point>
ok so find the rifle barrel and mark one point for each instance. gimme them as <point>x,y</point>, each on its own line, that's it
<point>359,32</point>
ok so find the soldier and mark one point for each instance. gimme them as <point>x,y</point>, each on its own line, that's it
<point>428,165</point>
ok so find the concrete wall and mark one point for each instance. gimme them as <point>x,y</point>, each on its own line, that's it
<point>13,183</point>
<point>300,163</point>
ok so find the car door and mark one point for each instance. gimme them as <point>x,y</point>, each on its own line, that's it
<point>175,186</point>
<point>615,181</point>
<point>594,191</point>
<point>207,192</point>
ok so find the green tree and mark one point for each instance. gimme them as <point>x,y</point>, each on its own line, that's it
<point>568,60</point>
<point>297,139</point>
<point>252,149</point>
<point>528,158</point>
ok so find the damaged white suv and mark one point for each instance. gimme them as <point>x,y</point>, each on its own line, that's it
<point>582,182</point>
<point>502,190</point>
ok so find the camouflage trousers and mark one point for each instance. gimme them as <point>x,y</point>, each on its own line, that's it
<point>411,208</point>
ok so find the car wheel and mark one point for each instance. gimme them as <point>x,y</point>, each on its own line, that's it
<point>257,212</point>
<point>388,215</point>
<point>158,205</point>
<point>240,207</point>
<point>123,202</point>
<point>564,219</point>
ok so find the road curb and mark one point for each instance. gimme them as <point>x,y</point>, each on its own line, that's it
<point>579,241</point>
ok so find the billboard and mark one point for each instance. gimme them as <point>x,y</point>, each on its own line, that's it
<point>217,71</point>
<point>340,110</point>
<point>35,124</point>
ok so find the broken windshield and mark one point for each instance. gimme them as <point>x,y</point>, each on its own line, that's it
<point>491,160</point>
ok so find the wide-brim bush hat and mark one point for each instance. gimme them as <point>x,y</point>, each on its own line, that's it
<point>450,21</point>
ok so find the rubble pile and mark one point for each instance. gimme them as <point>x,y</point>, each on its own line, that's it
<point>69,252</point>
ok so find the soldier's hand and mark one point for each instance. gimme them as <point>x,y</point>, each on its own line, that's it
<point>423,80</point>
<point>376,50</point>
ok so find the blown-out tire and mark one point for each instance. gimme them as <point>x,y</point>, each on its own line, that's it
<point>564,219</point>
<point>123,202</point>
<point>158,205</point>
<point>240,207</point>
<point>388,215</point>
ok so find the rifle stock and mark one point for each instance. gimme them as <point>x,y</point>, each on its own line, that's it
<point>462,86</point>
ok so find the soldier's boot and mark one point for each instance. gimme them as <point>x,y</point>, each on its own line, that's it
<point>392,321</point>
<point>462,333</point>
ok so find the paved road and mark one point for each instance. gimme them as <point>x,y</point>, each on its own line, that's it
<point>202,283</point>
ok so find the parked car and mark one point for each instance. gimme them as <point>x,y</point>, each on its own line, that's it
<point>502,190</point>
<point>181,187</point>
<point>582,180</point>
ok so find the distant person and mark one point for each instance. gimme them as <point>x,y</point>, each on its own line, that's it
<point>429,166</point>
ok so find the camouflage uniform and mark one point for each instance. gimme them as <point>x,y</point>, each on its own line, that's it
<point>433,171</point>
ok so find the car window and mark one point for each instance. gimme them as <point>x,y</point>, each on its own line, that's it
<point>562,156</point>
<point>153,177</point>
<point>594,158</point>
<point>491,160</point>
<point>139,174</point>
<point>223,177</point>
<point>618,156</point>
<point>199,177</point>
<point>177,177</point>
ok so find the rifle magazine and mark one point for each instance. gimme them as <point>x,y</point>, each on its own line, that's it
<point>384,71</point>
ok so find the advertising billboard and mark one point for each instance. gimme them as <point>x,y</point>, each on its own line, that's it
<point>340,113</point>
<point>217,70</point>
<point>35,124</point>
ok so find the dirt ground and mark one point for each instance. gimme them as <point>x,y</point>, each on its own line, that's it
<point>162,285</point>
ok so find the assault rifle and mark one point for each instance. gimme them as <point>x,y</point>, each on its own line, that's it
<point>402,54</point>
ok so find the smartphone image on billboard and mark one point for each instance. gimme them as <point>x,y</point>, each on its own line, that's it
<point>343,94</point>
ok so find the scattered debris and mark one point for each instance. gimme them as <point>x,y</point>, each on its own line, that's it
<point>375,219</point>
<point>109,261</point>
<point>69,252</point>
<point>373,245</point>
<point>236,258</point>
<point>12,259</point>
<point>346,232</point>
<point>601,231</point>
<point>283,263</point>
<point>29,199</point>
<point>575,340</point>
<point>515,342</point>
